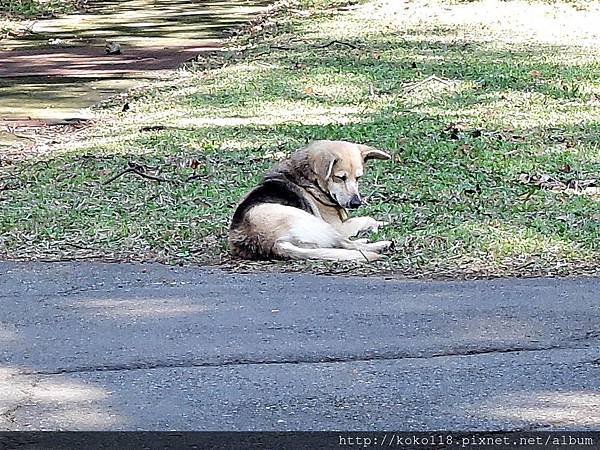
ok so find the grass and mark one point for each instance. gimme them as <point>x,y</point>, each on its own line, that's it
<point>29,9</point>
<point>474,101</point>
<point>14,14</point>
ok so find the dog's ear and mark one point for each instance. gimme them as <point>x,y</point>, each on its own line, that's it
<point>322,164</point>
<point>372,153</point>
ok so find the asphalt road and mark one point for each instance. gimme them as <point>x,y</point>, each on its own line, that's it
<point>147,347</point>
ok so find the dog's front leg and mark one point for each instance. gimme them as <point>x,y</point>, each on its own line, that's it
<point>356,225</point>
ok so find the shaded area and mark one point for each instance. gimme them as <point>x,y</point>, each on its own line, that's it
<point>68,54</point>
<point>35,101</point>
<point>141,23</point>
<point>91,62</point>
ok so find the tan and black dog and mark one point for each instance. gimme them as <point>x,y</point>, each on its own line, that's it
<point>298,211</point>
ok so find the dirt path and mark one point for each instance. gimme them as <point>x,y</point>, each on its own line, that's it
<point>59,70</point>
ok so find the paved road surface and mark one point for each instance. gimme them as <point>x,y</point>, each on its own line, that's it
<point>127,347</point>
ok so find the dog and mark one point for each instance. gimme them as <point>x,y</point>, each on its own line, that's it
<point>299,208</point>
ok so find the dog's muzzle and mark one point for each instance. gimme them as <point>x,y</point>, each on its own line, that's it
<point>355,202</point>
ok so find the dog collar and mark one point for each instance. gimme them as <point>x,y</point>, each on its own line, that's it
<point>322,197</point>
<point>325,199</point>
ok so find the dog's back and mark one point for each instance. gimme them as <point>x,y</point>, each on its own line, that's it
<point>250,240</point>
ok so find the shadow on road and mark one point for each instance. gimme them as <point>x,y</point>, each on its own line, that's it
<point>151,347</point>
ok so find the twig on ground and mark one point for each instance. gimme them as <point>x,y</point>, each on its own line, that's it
<point>348,44</point>
<point>153,178</point>
<point>120,174</point>
<point>329,44</point>
<point>364,256</point>
<point>193,177</point>
<point>139,170</point>
<point>430,78</point>
<point>153,128</point>
<point>8,186</point>
<point>524,265</point>
<point>336,272</point>
<point>528,195</point>
<point>80,247</point>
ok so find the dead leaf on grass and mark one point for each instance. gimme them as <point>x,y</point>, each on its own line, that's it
<point>554,183</point>
<point>565,168</point>
<point>464,148</point>
<point>277,156</point>
<point>454,129</point>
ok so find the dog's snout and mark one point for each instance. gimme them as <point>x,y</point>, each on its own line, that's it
<point>355,201</point>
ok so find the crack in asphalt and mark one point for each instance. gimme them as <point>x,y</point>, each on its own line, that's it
<point>149,365</point>
<point>10,414</point>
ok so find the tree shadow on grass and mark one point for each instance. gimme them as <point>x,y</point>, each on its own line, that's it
<point>452,191</point>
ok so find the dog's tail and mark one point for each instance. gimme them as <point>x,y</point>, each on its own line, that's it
<point>287,250</point>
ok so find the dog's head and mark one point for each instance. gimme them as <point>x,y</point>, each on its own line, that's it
<point>338,166</point>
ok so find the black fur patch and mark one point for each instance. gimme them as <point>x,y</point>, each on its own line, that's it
<point>272,190</point>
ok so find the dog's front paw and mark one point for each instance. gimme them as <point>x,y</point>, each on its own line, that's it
<point>380,246</point>
<point>371,225</point>
<point>376,247</point>
<point>361,227</point>
<point>378,224</point>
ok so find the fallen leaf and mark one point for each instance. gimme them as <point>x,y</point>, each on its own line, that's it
<point>464,148</point>
<point>274,155</point>
<point>535,73</point>
<point>454,129</point>
<point>548,182</point>
<point>581,185</point>
<point>308,90</point>
<point>565,168</point>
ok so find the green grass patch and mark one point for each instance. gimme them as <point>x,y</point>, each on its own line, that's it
<point>15,15</point>
<point>492,124</point>
<point>33,9</point>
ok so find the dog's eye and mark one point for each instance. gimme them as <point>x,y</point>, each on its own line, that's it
<point>342,178</point>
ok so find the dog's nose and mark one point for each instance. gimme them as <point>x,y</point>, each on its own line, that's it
<point>355,201</point>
